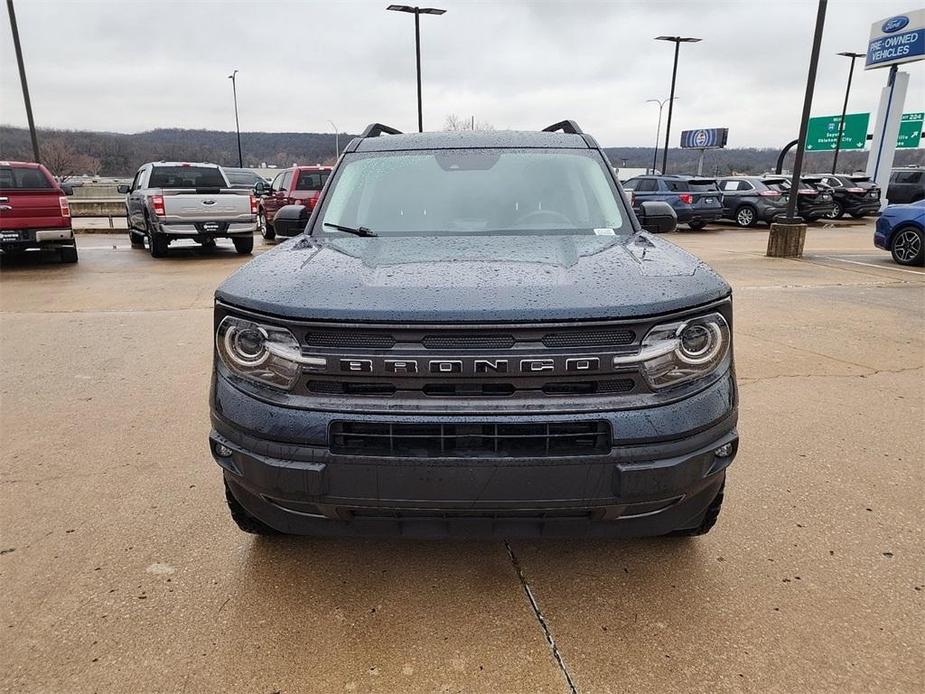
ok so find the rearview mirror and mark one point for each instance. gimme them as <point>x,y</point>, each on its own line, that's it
<point>123,189</point>
<point>260,188</point>
<point>657,217</point>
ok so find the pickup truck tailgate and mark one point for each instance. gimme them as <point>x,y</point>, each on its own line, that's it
<point>191,206</point>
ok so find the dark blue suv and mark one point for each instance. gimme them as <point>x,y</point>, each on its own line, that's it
<point>696,201</point>
<point>473,334</point>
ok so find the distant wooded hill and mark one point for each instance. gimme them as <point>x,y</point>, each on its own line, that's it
<point>72,152</point>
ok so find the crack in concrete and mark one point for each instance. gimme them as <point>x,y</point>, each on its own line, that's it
<point>557,656</point>
<point>875,372</point>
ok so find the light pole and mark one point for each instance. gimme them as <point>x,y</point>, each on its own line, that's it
<point>844,109</point>
<point>661,104</point>
<point>336,141</point>
<point>22,78</point>
<point>417,12</point>
<point>237,126</point>
<point>677,40</point>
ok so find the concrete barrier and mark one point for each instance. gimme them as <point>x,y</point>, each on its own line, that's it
<point>97,207</point>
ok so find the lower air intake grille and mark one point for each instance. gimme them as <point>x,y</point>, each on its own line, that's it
<point>590,338</point>
<point>470,440</point>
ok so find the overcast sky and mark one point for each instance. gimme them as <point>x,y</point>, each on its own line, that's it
<point>129,66</point>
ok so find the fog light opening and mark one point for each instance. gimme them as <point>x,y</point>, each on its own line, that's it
<point>723,451</point>
<point>223,451</point>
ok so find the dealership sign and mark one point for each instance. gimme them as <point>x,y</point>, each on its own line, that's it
<point>897,39</point>
<point>705,138</point>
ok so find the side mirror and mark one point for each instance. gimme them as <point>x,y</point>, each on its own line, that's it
<point>123,189</point>
<point>657,217</point>
<point>291,220</point>
<point>67,189</point>
<point>260,189</point>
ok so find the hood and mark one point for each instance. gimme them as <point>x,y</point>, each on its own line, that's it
<point>473,279</point>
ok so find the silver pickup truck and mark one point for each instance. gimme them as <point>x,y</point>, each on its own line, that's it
<point>176,200</point>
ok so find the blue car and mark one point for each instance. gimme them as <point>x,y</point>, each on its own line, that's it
<point>696,201</point>
<point>900,230</point>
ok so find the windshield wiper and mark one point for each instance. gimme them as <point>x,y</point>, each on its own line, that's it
<point>359,231</point>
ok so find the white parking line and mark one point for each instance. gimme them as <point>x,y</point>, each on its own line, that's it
<point>882,267</point>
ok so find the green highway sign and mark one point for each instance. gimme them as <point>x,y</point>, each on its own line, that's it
<point>822,132</point>
<point>910,131</point>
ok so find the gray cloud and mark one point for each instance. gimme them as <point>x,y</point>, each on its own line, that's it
<point>131,65</point>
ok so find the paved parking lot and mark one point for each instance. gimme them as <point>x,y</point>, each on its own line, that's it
<point>121,570</point>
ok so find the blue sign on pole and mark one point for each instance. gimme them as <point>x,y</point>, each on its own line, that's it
<point>895,40</point>
<point>705,138</point>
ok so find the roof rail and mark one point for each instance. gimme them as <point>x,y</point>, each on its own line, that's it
<point>377,129</point>
<point>566,126</point>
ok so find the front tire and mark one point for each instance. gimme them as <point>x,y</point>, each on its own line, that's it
<point>746,216</point>
<point>266,229</point>
<point>244,520</point>
<point>709,518</point>
<point>243,245</point>
<point>906,247</point>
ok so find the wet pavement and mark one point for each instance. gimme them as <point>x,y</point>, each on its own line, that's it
<point>121,570</point>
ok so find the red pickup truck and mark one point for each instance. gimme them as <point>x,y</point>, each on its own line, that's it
<point>34,214</point>
<point>297,185</point>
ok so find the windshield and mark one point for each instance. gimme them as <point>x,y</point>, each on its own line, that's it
<point>186,177</point>
<point>484,192</point>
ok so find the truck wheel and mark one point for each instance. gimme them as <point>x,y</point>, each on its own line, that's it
<point>266,229</point>
<point>137,240</point>
<point>244,245</point>
<point>746,216</point>
<point>244,520</point>
<point>709,518</point>
<point>906,246</point>
<point>697,224</point>
<point>69,254</point>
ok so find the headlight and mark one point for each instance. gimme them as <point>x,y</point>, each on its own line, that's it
<point>264,353</point>
<point>682,351</point>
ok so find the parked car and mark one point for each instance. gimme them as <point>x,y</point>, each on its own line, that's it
<point>696,201</point>
<point>900,229</point>
<point>748,200</point>
<point>478,338</point>
<point>167,201</point>
<point>298,185</point>
<point>34,213</point>
<point>814,200</point>
<point>245,179</point>
<point>907,184</point>
<point>854,195</point>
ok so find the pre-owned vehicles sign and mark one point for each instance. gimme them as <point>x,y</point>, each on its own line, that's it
<point>897,39</point>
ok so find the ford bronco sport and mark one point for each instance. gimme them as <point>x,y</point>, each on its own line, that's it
<point>474,335</point>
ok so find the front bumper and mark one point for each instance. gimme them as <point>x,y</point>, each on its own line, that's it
<point>660,475</point>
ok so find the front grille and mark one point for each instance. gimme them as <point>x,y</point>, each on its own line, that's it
<point>349,388</point>
<point>474,341</point>
<point>621,385</point>
<point>590,338</point>
<point>490,440</point>
<point>349,338</point>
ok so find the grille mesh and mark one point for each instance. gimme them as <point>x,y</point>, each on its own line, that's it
<point>590,338</point>
<point>474,341</point>
<point>349,338</point>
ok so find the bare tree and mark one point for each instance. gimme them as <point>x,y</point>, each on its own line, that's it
<point>64,161</point>
<point>454,122</point>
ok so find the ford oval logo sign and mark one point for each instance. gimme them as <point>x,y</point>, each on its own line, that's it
<point>894,24</point>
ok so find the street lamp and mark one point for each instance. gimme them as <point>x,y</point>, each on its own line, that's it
<point>22,79</point>
<point>844,109</point>
<point>661,104</point>
<point>237,126</point>
<point>336,141</point>
<point>417,12</point>
<point>677,40</point>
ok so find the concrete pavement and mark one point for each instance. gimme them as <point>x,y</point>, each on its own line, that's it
<point>121,570</point>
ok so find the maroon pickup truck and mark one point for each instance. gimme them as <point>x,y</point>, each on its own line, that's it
<point>34,214</point>
<point>297,185</point>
